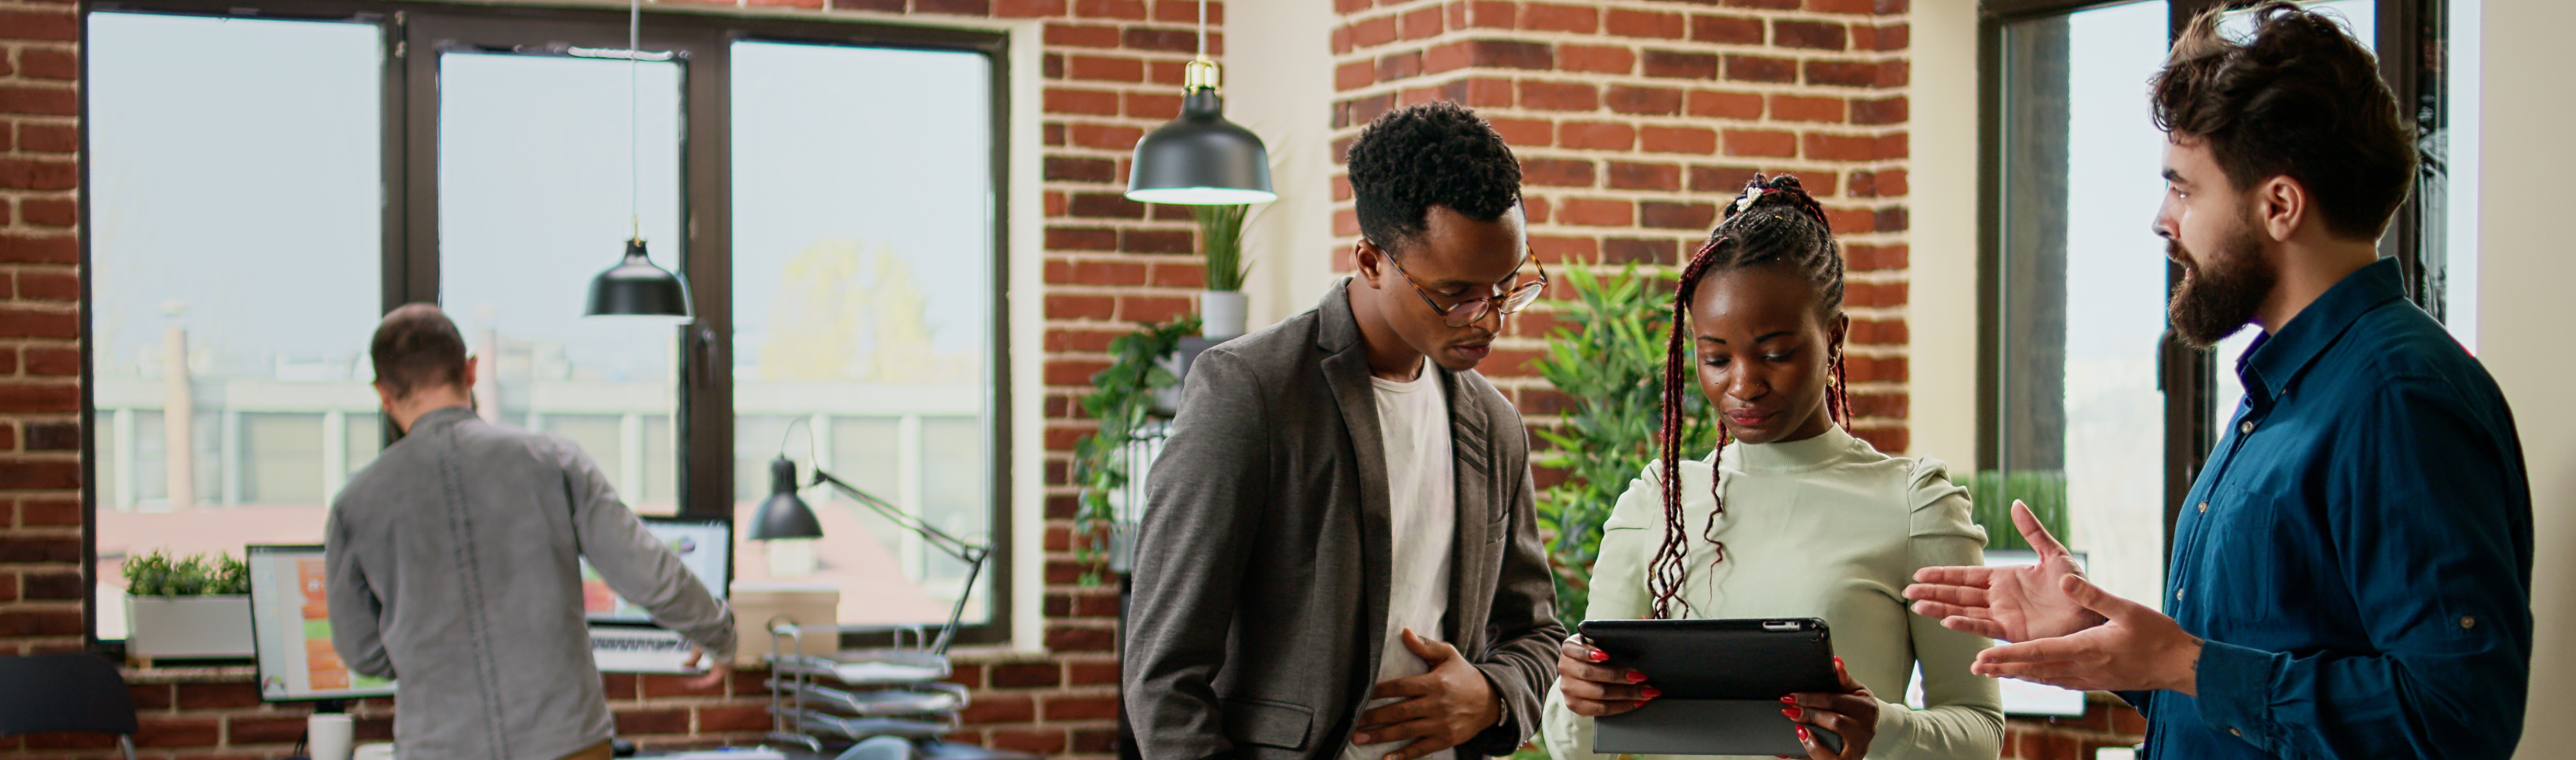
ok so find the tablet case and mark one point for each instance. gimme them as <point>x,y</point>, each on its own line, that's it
<point>1721,680</point>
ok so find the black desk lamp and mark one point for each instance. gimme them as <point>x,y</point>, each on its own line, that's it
<point>786,516</point>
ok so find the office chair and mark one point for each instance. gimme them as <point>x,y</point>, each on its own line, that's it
<point>65,692</point>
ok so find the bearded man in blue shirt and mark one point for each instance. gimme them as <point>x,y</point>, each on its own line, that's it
<point>2351,573</point>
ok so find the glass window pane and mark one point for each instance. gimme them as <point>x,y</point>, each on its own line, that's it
<point>236,251</point>
<point>863,302</point>
<point>2083,292</point>
<point>533,201</point>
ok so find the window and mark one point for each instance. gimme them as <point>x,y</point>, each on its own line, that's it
<point>263,189</point>
<point>2088,405</point>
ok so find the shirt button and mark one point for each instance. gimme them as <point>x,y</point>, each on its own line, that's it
<point>2245,428</point>
<point>2204,507</point>
<point>2177,595</point>
<point>2467,621</point>
<point>2235,732</point>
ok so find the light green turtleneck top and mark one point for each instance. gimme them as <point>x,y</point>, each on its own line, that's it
<point>1825,527</point>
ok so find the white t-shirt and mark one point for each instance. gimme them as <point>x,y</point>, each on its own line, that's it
<point>1422,516</point>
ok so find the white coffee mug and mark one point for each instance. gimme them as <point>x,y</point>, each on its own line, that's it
<point>327,736</point>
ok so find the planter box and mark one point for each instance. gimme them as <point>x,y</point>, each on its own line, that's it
<point>188,626</point>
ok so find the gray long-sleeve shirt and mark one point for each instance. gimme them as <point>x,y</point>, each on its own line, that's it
<point>454,562</point>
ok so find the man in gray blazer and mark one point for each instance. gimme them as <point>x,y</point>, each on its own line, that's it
<point>1339,558</point>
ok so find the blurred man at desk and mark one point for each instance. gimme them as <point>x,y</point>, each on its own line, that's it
<point>455,560</point>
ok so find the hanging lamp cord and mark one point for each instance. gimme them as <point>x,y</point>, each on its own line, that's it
<point>635,113</point>
<point>1202,30</point>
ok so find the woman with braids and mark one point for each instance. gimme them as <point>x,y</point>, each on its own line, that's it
<point>1791,516</point>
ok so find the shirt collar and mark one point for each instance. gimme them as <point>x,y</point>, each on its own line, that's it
<point>1794,456</point>
<point>2276,360</point>
<point>440,418</point>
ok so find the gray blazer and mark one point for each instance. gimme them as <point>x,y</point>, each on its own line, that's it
<point>1261,582</point>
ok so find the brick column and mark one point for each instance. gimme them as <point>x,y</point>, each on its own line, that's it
<point>40,436</point>
<point>1635,119</point>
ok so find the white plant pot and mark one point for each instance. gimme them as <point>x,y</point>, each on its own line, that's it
<point>188,626</point>
<point>1221,314</point>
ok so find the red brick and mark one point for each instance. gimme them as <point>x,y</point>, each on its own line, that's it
<point>1628,23</point>
<point>208,696</point>
<point>1596,135</point>
<point>1093,102</point>
<point>41,25</point>
<point>1601,59</point>
<point>1399,66</point>
<point>1027,8</point>
<point>1026,675</point>
<point>43,63</point>
<point>1893,145</point>
<point>1556,171</point>
<point>1890,219</point>
<point>1520,133</point>
<point>1680,65</point>
<point>1153,105</point>
<point>1000,708</point>
<point>1887,332</point>
<point>1157,241</point>
<point>9,588</point>
<point>1535,209</point>
<point>1676,216</point>
<point>1081,707</point>
<point>1354,75</point>
<point>1888,111</point>
<point>149,696</point>
<point>1621,251</point>
<point>187,732</point>
<point>1072,372</point>
<point>1081,239</point>
<point>68,739</point>
<point>1595,212</point>
<point>1754,68</point>
<point>1509,54</point>
<point>1802,108</point>
<point>52,587</point>
<point>1634,176</point>
<point>1105,206</point>
<point>20,622</point>
<point>1081,35</point>
<point>1874,369</point>
<point>1098,741</point>
<point>48,138</point>
<point>51,362</point>
<point>34,513</point>
<point>1857,73</point>
<point>1175,275</point>
<point>1678,140</point>
<point>1656,101</point>
<point>1727,30</point>
<point>1884,38</point>
<point>1809,35</point>
<point>1105,68</point>
<point>645,722</point>
<point>954,7</point>
<point>1070,639</point>
<point>1133,10</point>
<point>1749,142</point>
<point>1187,12</point>
<point>1864,7</point>
<point>32,475</point>
<point>621,686</point>
<point>1374,32</point>
<point>1558,249</point>
<point>48,212</point>
<point>1828,147</point>
<point>1718,104</point>
<point>1874,294</point>
<point>38,174</point>
<point>1879,184</point>
<point>1040,741</point>
<point>1171,40</point>
<point>1060,306</point>
<point>1777,5</point>
<point>1868,258</point>
<point>1154,308</point>
<point>1559,96</point>
<point>1092,673</point>
<point>1420,23</point>
<point>717,719</point>
<point>1546,17</point>
<point>249,729</point>
<point>1483,14</point>
<point>658,685</point>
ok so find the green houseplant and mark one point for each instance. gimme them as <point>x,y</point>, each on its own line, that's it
<point>1606,357</point>
<point>1222,306</point>
<point>1123,401</point>
<point>1992,493</point>
<point>189,608</point>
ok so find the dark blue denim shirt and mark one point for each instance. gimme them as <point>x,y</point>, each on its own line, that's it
<point>2357,554</point>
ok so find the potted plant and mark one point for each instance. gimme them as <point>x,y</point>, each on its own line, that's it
<point>1222,306</point>
<point>195,607</point>
<point>1123,400</point>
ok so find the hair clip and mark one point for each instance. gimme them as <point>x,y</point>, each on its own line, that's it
<point>1746,201</point>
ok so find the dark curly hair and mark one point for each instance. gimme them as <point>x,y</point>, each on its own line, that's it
<point>1774,223</point>
<point>2300,98</point>
<point>1431,154</point>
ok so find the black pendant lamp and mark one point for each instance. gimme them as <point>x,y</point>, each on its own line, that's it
<point>783,515</point>
<point>636,287</point>
<point>1200,159</point>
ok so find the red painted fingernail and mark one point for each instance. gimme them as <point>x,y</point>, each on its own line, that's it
<point>1598,655</point>
<point>1802,735</point>
<point>1652,692</point>
<point>1788,700</point>
<point>1793,713</point>
<point>1636,677</point>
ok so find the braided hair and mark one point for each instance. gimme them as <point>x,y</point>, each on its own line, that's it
<point>1774,223</point>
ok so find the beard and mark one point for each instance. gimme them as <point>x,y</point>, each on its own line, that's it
<point>2219,293</point>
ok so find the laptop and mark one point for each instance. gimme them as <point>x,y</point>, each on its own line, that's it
<point>623,638</point>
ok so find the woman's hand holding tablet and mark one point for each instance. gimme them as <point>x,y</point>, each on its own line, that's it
<point>1592,689</point>
<point>1852,713</point>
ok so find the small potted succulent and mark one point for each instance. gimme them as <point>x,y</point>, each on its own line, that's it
<point>187,608</point>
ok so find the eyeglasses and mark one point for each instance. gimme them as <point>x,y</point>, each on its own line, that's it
<point>1466,312</point>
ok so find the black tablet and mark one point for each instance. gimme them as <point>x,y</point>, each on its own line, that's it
<point>1722,681</point>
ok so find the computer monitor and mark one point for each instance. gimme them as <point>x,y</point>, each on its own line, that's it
<point>705,546</point>
<point>290,616</point>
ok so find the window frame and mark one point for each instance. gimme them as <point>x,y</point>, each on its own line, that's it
<point>2187,377</point>
<point>414,34</point>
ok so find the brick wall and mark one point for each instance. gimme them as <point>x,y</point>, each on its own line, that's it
<point>1112,70</point>
<point>1635,119</point>
<point>2106,722</point>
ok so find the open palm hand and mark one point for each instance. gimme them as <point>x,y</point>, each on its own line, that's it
<point>2015,604</point>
